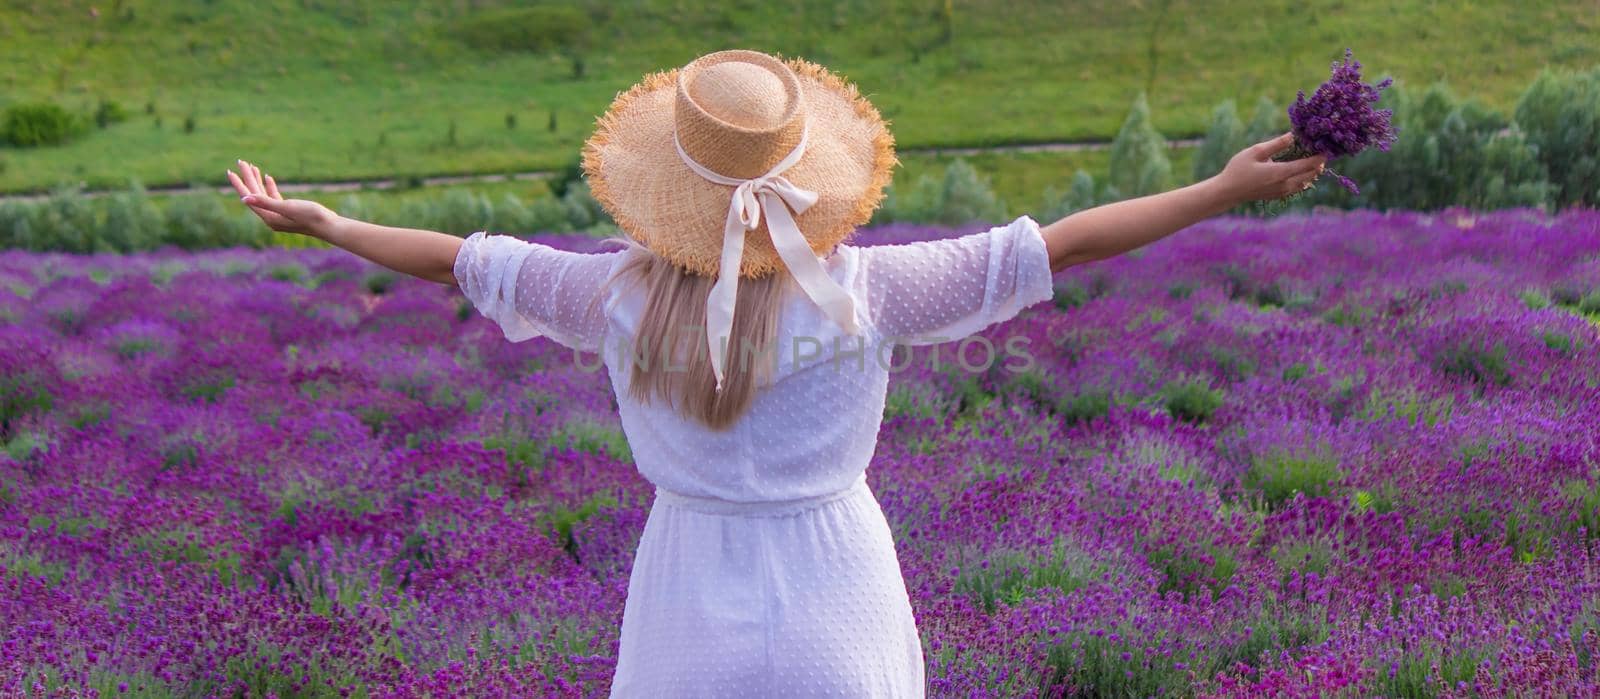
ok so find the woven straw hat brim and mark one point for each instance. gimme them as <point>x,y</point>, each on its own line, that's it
<point>634,171</point>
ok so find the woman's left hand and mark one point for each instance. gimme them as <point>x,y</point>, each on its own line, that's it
<point>1252,175</point>
<point>260,193</point>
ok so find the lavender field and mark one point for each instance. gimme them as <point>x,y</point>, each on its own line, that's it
<point>1348,454</point>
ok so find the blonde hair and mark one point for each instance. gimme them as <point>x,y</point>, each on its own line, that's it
<point>674,311</point>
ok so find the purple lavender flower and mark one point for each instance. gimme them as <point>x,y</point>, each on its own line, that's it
<point>242,485</point>
<point>1338,120</point>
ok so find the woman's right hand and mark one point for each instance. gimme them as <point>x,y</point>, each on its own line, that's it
<point>260,193</point>
<point>1252,174</point>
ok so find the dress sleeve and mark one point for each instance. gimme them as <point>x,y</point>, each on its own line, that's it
<point>530,289</point>
<point>939,290</point>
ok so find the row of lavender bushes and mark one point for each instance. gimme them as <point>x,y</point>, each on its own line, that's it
<point>1344,455</point>
<point>1451,152</point>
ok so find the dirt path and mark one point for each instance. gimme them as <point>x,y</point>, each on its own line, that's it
<point>391,183</point>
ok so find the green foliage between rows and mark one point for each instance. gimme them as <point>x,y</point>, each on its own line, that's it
<point>131,220</point>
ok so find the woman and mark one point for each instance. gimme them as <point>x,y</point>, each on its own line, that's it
<point>766,566</point>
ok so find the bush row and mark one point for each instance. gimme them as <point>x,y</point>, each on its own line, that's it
<point>1450,152</point>
<point>34,124</point>
<point>1456,152</point>
<point>130,220</point>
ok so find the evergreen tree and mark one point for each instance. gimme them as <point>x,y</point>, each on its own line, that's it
<point>1560,113</point>
<point>1224,138</point>
<point>1268,121</point>
<point>1139,163</point>
<point>1078,196</point>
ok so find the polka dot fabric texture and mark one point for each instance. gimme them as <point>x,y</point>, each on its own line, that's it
<point>532,290</point>
<point>766,567</point>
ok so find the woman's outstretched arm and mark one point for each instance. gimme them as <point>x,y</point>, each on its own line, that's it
<point>1115,228</point>
<point>420,253</point>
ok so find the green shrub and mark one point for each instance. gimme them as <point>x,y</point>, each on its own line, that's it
<point>1010,577</point>
<point>1559,342</point>
<point>378,283</point>
<point>207,387</point>
<point>537,29</point>
<point>67,221</point>
<point>591,438</point>
<point>199,221</point>
<point>21,394</point>
<point>967,196</point>
<point>1560,113</point>
<point>1449,152</point>
<point>16,226</point>
<point>1590,303</point>
<point>961,196</point>
<point>34,124</point>
<point>354,206</point>
<point>510,214</point>
<point>1084,406</point>
<point>570,174</point>
<point>1191,573</point>
<point>1069,295</point>
<point>20,449</point>
<point>1567,293</point>
<point>1077,197</point>
<point>583,211</point>
<point>1277,476</point>
<point>547,215</point>
<point>1268,121</point>
<point>109,112</point>
<point>1474,362</point>
<point>560,520</point>
<point>129,220</point>
<point>132,221</point>
<point>1139,163</point>
<point>910,204</point>
<point>1191,399</point>
<point>1534,299</point>
<point>1224,138</point>
<point>459,211</point>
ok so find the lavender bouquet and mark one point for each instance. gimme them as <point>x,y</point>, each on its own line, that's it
<point>1339,120</point>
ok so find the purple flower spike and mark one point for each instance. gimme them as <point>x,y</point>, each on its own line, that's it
<point>1339,119</point>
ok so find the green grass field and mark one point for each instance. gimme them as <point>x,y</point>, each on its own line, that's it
<point>317,90</point>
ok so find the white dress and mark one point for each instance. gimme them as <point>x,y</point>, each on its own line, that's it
<point>766,567</point>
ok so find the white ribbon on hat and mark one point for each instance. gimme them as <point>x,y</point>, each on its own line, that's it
<point>776,195</point>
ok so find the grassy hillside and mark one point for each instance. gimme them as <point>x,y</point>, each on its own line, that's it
<point>321,90</point>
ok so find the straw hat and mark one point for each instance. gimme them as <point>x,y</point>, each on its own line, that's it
<point>695,163</point>
<point>737,113</point>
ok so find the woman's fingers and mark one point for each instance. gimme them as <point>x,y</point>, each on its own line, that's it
<point>1301,183</point>
<point>244,174</point>
<point>255,173</point>
<point>1265,149</point>
<point>238,184</point>
<point>252,178</point>
<point>259,192</point>
<point>1295,168</point>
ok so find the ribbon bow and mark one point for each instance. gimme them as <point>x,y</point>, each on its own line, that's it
<point>774,195</point>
